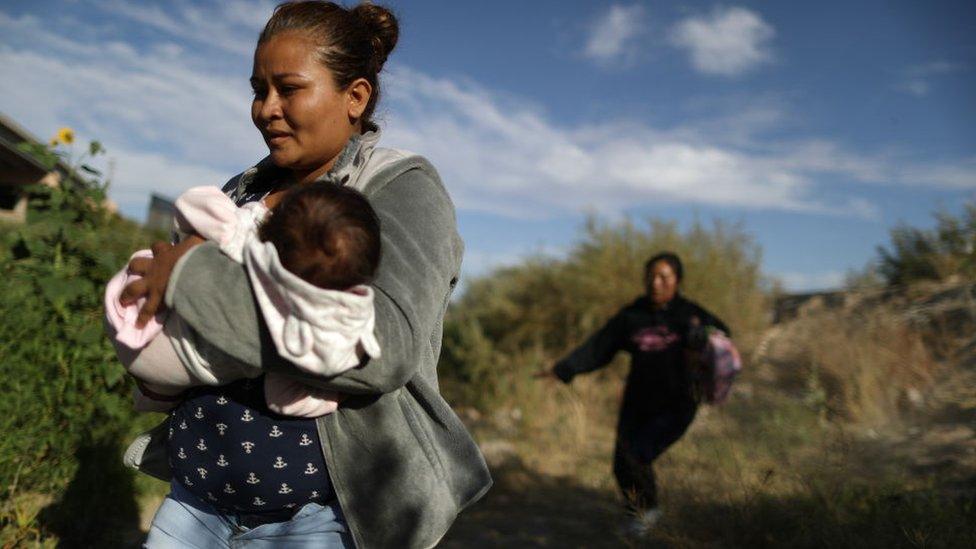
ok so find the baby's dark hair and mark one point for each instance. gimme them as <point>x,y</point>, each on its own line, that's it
<point>326,234</point>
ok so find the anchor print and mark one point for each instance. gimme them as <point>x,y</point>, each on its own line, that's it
<point>275,432</point>
<point>170,433</point>
<point>314,495</point>
<point>199,413</point>
<point>280,463</point>
<point>247,416</point>
<point>248,445</point>
<point>221,427</point>
<point>305,441</point>
<point>202,446</point>
<point>221,400</point>
<point>187,481</point>
<point>257,501</point>
<point>181,454</point>
<point>183,425</point>
<point>228,489</point>
<point>311,469</point>
<point>222,462</point>
<point>285,489</point>
<point>252,479</point>
<point>202,472</point>
<point>211,497</point>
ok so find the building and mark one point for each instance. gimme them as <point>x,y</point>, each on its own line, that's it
<point>19,169</point>
<point>160,215</point>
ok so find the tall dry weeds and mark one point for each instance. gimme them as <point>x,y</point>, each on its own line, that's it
<point>866,367</point>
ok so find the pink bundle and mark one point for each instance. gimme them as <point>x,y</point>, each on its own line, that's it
<point>721,363</point>
<point>123,318</point>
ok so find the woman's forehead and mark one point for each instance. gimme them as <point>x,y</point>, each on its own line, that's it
<point>662,267</point>
<point>289,53</point>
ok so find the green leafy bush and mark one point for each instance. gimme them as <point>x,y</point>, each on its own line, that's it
<point>63,388</point>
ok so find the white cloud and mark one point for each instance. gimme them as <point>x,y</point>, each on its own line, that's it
<point>934,68</point>
<point>172,122</point>
<point>917,80</point>
<point>612,36</point>
<point>916,87</point>
<point>231,26</point>
<point>727,42</point>
<point>168,124</point>
<point>139,173</point>
<point>510,159</point>
<point>947,175</point>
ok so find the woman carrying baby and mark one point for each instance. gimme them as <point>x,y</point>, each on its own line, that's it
<point>392,465</point>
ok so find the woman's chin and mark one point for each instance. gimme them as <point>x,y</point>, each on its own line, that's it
<point>282,158</point>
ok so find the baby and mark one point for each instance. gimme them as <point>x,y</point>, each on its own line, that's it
<point>309,259</point>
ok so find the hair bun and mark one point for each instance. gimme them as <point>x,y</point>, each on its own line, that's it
<point>383,27</point>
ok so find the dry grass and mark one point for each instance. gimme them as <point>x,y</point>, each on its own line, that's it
<point>866,368</point>
<point>802,456</point>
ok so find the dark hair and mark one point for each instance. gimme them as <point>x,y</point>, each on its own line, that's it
<point>352,43</point>
<point>326,234</point>
<point>671,259</point>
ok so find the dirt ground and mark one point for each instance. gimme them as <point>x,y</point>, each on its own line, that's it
<point>936,447</point>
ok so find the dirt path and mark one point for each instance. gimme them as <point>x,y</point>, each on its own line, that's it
<point>528,509</point>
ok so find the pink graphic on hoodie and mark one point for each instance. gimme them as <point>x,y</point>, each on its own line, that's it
<point>654,339</point>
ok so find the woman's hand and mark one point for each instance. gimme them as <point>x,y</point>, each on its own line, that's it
<point>155,274</point>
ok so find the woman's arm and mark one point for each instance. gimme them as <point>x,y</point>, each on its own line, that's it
<point>420,260</point>
<point>706,318</point>
<point>695,334</point>
<point>595,353</point>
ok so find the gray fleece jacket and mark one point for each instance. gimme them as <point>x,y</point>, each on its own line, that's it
<point>402,463</point>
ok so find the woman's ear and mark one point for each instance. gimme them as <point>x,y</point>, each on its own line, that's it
<point>357,95</point>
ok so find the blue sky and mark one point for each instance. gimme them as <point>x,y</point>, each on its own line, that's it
<point>819,126</point>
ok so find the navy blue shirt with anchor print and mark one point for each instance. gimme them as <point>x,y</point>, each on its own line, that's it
<point>227,448</point>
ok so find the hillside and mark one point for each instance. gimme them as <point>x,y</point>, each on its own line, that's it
<point>812,451</point>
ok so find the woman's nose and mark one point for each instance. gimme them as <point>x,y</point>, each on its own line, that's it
<point>270,107</point>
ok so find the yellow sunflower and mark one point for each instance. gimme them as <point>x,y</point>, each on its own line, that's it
<point>65,135</point>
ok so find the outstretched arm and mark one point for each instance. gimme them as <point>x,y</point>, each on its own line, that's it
<point>593,354</point>
<point>420,260</point>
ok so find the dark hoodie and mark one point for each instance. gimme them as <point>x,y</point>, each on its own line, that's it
<point>656,339</point>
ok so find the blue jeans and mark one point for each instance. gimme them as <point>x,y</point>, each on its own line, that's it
<point>183,520</point>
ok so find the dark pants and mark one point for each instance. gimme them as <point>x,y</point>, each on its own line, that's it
<point>641,438</point>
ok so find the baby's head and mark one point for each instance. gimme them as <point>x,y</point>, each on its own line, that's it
<point>325,234</point>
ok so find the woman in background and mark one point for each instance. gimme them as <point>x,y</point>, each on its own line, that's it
<point>660,398</point>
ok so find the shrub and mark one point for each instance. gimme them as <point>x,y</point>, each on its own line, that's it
<point>63,388</point>
<point>857,366</point>
<point>524,317</point>
<point>948,250</point>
